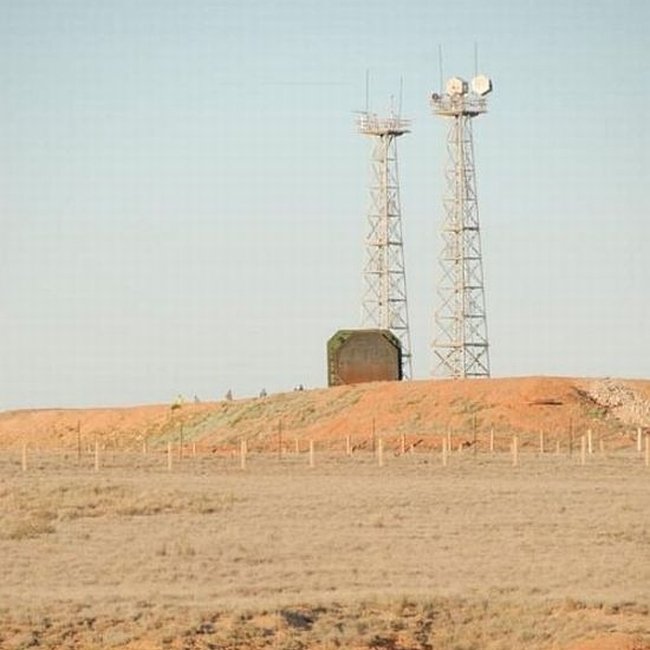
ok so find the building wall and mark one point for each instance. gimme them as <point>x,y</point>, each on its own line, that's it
<point>357,356</point>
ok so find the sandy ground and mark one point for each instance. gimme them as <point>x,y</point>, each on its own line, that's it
<point>478,554</point>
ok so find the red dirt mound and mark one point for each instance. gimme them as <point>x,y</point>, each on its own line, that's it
<point>418,411</point>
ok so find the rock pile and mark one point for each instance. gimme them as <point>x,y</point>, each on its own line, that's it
<point>622,401</point>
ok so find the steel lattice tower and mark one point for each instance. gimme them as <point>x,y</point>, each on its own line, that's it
<point>384,303</point>
<point>460,343</point>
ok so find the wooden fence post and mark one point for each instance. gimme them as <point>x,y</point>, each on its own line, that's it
<point>449,448</point>
<point>144,447</point>
<point>23,461</point>
<point>515,450</point>
<point>557,447</point>
<point>474,435</point>
<point>590,445</point>
<point>380,452</point>
<point>348,446</point>
<point>444,452</point>
<point>541,442</point>
<point>96,455</point>
<point>242,454</point>
<point>180,444</point>
<point>311,454</point>
<point>169,456</point>
<point>638,440</point>
<point>492,440</point>
<point>583,449</point>
<point>402,444</point>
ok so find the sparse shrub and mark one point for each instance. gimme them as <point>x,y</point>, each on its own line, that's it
<point>572,605</point>
<point>301,620</point>
<point>36,524</point>
<point>380,641</point>
<point>291,644</point>
<point>183,548</point>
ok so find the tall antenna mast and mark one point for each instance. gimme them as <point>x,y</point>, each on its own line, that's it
<point>460,344</point>
<point>384,303</point>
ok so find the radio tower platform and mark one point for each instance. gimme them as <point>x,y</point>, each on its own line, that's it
<point>384,303</point>
<point>460,343</point>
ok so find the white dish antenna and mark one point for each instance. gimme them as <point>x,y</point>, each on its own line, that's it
<point>482,85</point>
<point>456,86</point>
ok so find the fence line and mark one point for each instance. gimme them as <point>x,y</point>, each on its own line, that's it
<point>385,447</point>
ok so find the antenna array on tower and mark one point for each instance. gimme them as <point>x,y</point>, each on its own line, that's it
<point>384,301</point>
<point>460,343</point>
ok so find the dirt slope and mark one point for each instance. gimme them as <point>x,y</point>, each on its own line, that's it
<point>422,411</point>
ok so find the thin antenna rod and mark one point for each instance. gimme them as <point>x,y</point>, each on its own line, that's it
<point>401,96</point>
<point>440,66</point>
<point>367,91</point>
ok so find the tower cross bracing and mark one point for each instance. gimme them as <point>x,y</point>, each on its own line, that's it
<point>460,344</point>
<point>384,304</point>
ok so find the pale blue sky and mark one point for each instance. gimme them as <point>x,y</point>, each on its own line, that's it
<point>183,193</point>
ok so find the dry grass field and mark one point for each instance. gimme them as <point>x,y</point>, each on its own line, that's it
<point>347,554</point>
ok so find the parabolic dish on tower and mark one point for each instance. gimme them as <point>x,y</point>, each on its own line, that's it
<point>456,86</point>
<point>482,85</point>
